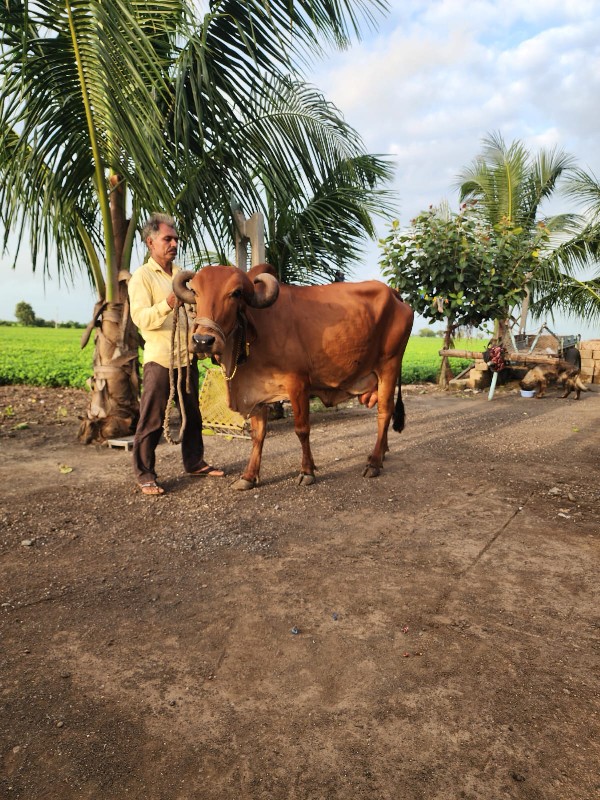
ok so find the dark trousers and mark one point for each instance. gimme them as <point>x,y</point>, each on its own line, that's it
<point>153,404</point>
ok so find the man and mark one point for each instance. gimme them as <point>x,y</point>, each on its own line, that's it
<point>152,302</point>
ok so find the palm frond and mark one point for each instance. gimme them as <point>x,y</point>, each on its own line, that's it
<point>509,183</point>
<point>78,86</point>
<point>571,296</point>
<point>272,31</point>
<point>186,111</point>
<point>584,187</point>
<point>285,142</point>
<point>310,244</point>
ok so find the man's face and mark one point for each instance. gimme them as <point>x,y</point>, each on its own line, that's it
<point>163,247</point>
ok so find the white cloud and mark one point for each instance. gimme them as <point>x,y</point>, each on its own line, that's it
<point>442,74</point>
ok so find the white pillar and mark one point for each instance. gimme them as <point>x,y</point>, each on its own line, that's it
<point>249,232</point>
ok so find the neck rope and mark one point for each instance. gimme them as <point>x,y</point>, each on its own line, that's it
<point>213,326</point>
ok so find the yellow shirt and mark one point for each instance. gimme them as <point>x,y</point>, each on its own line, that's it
<point>148,288</point>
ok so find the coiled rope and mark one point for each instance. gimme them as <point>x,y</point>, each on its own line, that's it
<point>176,340</point>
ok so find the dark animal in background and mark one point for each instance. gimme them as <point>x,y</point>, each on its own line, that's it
<point>277,342</point>
<point>571,381</point>
<point>538,378</point>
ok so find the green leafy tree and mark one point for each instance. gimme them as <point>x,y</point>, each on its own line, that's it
<point>110,109</point>
<point>25,314</point>
<point>459,269</point>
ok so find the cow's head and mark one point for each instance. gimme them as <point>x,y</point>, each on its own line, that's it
<point>221,295</point>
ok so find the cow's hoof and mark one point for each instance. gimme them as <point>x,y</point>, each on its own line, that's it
<point>242,485</point>
<point>371,471</point>
<point>304,479</point>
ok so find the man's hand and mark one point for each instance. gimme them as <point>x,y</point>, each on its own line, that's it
<point>173,300</point>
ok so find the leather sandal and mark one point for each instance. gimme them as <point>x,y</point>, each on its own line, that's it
<point>151,488</point>
<point>208,471</point>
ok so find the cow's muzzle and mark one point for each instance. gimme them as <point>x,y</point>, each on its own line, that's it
<point>203,341</point>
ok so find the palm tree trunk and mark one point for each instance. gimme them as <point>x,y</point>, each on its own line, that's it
<point>114,403</point>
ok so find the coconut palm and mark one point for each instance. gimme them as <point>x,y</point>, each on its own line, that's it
<point>509,185</point>
<point>561,288</point>
<point>111,108</point>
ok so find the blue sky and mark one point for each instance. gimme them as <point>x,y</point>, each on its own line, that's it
<point>436,77</point>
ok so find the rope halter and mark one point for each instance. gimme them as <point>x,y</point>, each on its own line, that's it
<point>205,322</point>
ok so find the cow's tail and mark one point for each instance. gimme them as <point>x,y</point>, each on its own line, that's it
<point>398,416</point>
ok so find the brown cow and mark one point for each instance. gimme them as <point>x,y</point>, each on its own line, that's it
<point>277,342</point>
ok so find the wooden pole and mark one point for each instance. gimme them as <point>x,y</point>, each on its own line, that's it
<point>522,360</point>
<point>460,353</point>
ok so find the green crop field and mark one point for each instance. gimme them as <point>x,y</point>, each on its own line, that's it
<point>44,357</point>
<point>53,357</point>
<point>422,361</point>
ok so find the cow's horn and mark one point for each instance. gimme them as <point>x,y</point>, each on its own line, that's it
<point>180,288</point>
<point>266,291</point>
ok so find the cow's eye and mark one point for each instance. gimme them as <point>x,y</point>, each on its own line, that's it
<point>236,293</point>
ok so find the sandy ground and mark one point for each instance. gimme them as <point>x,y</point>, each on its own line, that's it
<point>433,633</point>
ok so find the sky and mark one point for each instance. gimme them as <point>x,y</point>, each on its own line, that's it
<point>425,89</point>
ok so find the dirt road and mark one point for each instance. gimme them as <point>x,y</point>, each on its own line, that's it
<point>431,634</point>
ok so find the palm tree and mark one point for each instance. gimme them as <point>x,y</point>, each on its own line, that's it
<point>561,288</point>
<point>509,185</point>
<point>110,109</point>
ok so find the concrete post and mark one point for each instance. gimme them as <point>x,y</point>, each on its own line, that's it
<point>249,233</point>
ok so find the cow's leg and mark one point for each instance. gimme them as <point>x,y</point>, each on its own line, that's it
<point>258,430</point>
<point>300,400</point>
<point>385,409</point>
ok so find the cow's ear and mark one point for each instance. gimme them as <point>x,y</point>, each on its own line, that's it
<point>266,291</point>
